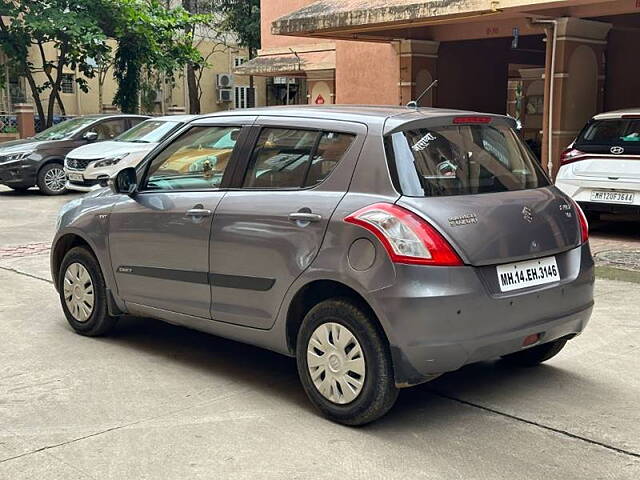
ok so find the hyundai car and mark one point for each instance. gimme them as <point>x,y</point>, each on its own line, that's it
<point>601,169</point>
<point>379,246</point>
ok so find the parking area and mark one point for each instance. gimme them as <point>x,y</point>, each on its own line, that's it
<point>159,401</point>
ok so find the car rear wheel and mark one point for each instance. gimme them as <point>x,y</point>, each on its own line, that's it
<point>83,293</point>
<point>536,355</point>
<point>344,363</point>
<point>52,179</point>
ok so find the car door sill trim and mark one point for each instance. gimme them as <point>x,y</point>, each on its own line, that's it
<point>242,282</point>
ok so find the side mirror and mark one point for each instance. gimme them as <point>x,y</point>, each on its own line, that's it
<point>126,181</point>
<point>90,136</point>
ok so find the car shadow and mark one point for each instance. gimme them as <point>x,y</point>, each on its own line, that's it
<point>418,407</point>
<point>33,192</point>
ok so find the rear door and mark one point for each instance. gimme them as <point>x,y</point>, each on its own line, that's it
<point>485,192</point>
<point>268,230</point>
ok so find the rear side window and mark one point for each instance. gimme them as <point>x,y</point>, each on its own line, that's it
<point>290,158</point>
<point>462,160</point>
<point>611,133</point>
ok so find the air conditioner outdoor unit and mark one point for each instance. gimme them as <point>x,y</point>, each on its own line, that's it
<point>224,80</point>
<point>225,95</point>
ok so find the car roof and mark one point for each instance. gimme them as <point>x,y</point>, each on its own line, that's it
<point>388,116</point>
<point>617,114</point>
<point>102,116</point>
<point>175,118</point>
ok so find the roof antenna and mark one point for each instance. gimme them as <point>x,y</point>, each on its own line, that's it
<point>414,103</point>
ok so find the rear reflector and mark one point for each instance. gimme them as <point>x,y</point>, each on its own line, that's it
<point>478,119</point>
<point>530,339</point>
<point>406,237</point>
<point>631,116</point>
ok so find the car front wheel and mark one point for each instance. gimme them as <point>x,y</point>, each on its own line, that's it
<point>344,363</point>
<point>83,293</point>
<point>52,179</point>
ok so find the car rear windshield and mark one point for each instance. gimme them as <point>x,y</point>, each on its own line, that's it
<point>614,132</point>
<point>462,160</point>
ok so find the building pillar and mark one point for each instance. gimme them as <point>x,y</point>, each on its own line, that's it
<point>532,106</point>
<point>25,119</point>
<point>578,81</point>
<point>418,68</point>
<point>321,87</point>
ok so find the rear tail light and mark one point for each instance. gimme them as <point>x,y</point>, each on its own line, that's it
<point>570,155</point>
<point>472,119</point>
<point>584,224</point>
<point>407,237</point>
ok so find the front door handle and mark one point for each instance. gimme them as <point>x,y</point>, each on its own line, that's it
<point>198,212</point>
<point>304,217</point>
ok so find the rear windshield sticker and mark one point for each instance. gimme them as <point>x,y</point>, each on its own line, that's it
<point>423,142</point>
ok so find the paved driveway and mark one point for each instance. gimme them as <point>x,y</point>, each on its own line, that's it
<point>162,402</point>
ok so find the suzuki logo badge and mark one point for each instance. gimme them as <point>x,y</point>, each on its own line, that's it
<point>617,150</point>
<point>527,214</point>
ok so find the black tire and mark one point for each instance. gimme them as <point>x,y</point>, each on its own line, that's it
<point>378,393</point>
<point>535,355</point>
<point>43,183</point>
<point>99,322</point>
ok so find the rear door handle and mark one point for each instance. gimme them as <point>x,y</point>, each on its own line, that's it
<point>198,212</point>
<point>304,217</point>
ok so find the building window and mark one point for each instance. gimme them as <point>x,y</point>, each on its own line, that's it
<point>243,97</point>
<point>237,61</point>
<point>67,85</point>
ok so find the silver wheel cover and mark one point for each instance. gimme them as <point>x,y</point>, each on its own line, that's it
<point>78,292</point>
<point>55,179</point>
<point>336,363</point>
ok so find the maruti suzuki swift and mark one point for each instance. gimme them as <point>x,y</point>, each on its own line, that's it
<point>379,246</point>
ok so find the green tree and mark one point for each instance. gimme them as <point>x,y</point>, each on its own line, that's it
<point>151,38</point>
<point>28,30</point>
<point>242,18</point>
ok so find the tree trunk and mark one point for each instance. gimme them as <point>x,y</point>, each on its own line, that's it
<point>192,87</point>
<point>35,95</point>
<point>55,88</point>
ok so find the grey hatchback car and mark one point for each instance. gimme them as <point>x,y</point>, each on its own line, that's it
<point>380,246</point>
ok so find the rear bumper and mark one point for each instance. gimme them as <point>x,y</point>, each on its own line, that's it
<point>440,319</point>
<point>610,208</point>
<point>579,189</point>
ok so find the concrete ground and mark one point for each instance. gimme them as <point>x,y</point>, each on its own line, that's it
<point>162,402</point>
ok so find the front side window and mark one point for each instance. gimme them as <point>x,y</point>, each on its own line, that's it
<point>198,159</point>
<point>462,160</point>
<point>288,158</point>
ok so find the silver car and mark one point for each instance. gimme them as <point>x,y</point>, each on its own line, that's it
<point>380,246</point>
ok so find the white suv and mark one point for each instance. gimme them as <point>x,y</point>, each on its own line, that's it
<point>601,168</point>
<point>85,165</point>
